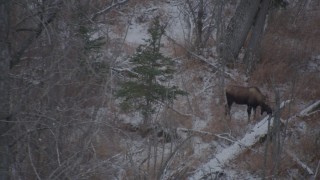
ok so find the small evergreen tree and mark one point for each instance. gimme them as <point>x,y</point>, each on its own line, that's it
<point>143,90</point>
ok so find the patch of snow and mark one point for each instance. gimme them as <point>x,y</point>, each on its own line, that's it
<point>133,118</point>
<point>243,115</point>
<point>137,33</point>
<point>175,27</point>
<point>199,124</point>
<point>102,113</point>
<point>301,126</point>
<point>199,146</point>
<point>217,164</point>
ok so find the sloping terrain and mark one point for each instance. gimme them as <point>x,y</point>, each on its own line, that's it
<point>203,133</point>
<point>70,124</point>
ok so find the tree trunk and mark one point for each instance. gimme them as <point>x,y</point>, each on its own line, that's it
<point>199,27</point>
<point>4,90</point>
<point>253,47</point>
<point>238,28</point>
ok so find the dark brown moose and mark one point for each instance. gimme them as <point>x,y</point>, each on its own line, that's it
<point>251,96</point>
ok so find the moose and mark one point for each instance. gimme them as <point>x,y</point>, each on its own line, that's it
<point>251,96</point>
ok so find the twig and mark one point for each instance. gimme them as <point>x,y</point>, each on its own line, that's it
<point>300,163</point>
<point>31,162</point>
<point>310,109</point>
<point>214,67</point>
<point>205,133</point>
<point>317,170</point>
<point>107,9</point>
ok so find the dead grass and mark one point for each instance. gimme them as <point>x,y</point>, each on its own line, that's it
<point>253,161</point>
<point>107,144</point>
<point>219,123</point>
<point>310,146</point>
<point>176,50</point>
<point>176,119</point>
<point>308,87</point>
<point>287,46</point>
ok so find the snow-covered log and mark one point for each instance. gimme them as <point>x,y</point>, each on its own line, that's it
<point>299,162</point>
<point>310,109</point>
<point>217,163</point>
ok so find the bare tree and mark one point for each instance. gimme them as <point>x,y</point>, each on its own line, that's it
<point>57,86</point>
<point>199,16</point>
<point>252,50</point>
<point>238,27</point>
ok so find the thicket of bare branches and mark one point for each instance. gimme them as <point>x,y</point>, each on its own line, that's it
<point>60,67</point>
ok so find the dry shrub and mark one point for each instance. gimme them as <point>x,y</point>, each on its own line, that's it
<point>176,50</point>
<point>250,161</point>
<point>288,44</point>
<point>253,162</point>
<point>175,119</point>
<point>308,87</point>
<point>309,147</point>
<point>287,112</point>
<point>219,123</point>
<point>280,72</point>
<point>129,49</point>
<point>194,64</point>
<point>107,144</point>
<point>196,104</point>
<point>309,143</point>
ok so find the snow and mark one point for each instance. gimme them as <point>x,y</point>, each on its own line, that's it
<point>302,164</point>
<point>310,108</point>
<point>199,124</point>
<point>138,31</point>
<point>216,164</point>
<point>175,27</point>
<point>136,34</point>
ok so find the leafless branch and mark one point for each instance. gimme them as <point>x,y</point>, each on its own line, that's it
<point>107,9</point>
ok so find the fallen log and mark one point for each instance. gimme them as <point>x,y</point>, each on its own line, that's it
<point>314,107</point>
<point>217,163</point>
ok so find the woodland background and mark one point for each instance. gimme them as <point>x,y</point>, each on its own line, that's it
<point>62,64</point>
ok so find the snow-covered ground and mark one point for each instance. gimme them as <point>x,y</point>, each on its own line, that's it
<point>203,94</point>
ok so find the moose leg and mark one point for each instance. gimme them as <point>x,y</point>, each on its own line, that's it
<point>249,112</point>
<point>255,112</point>
<point>225,109</point>
<point>228,108</point>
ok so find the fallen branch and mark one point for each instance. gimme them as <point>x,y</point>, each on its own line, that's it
<point>317,169</point>
<point>315,107</point>
<point>204,133</point>
<point>107,9</point>
<point>202,59</point>
<point>216,164</point>
<point>299,162</point>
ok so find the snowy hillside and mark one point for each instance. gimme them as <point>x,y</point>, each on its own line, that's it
<point>99,93</point>
<point>208,144</point>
